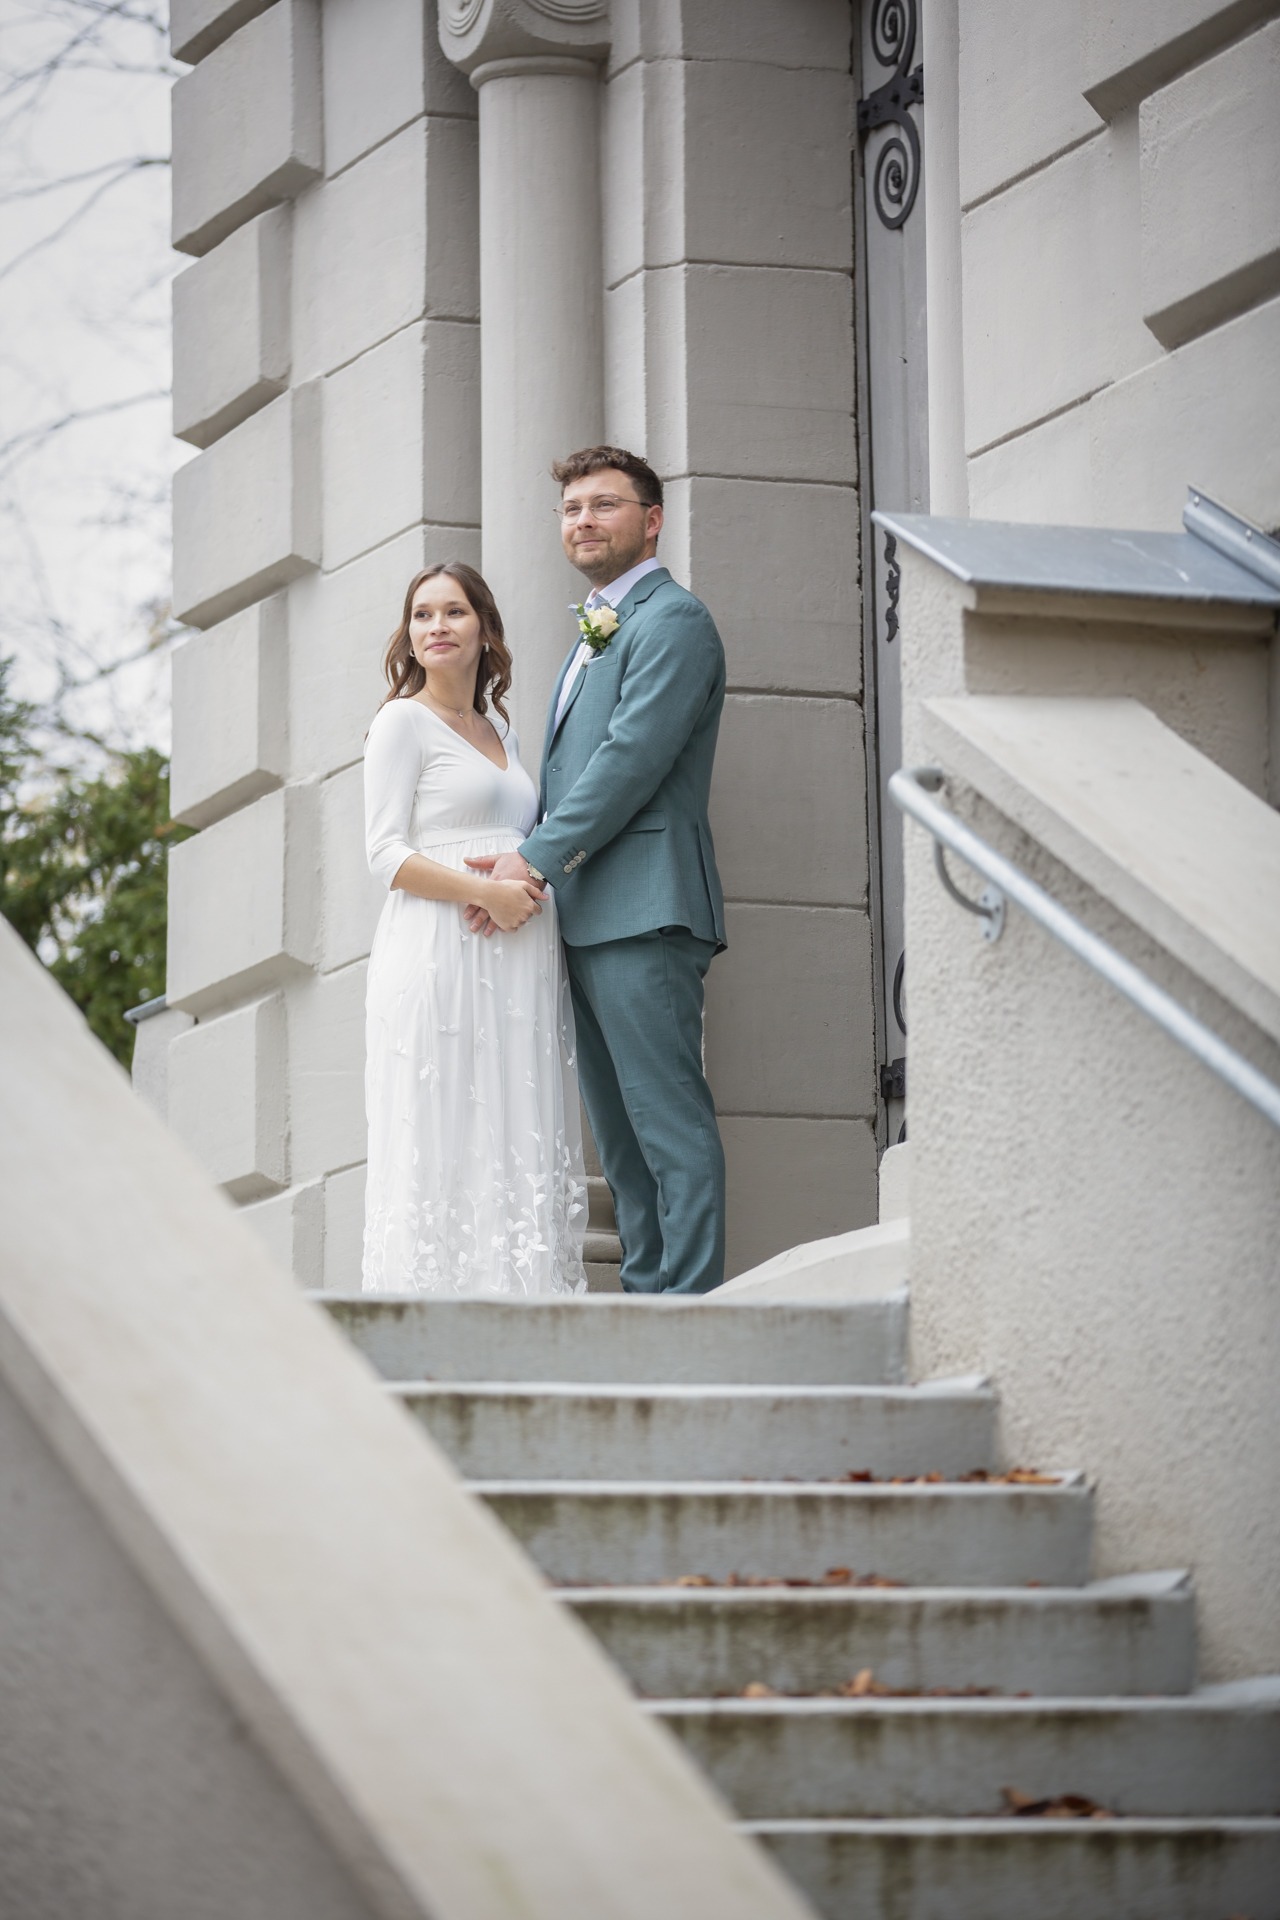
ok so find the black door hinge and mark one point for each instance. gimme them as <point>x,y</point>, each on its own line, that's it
<point>893,1080</point>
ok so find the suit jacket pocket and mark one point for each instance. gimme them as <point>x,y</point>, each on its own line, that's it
<point>654,822</point>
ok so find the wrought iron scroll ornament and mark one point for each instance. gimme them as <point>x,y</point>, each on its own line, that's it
<point>896,179</point>
<point>892,585</point>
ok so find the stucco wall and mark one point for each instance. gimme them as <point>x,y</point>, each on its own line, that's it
<point>1095,1218</point>
<point>131,1788</point>
<point>1119,175</point>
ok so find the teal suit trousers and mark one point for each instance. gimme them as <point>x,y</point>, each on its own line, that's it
<point>637,1006</point>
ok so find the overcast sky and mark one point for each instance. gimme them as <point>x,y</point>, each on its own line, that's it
<point>84,324</point>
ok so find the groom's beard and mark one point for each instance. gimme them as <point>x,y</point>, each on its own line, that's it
<point>615,555</point>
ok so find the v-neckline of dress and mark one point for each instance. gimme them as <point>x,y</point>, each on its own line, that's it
<point>468,744</point>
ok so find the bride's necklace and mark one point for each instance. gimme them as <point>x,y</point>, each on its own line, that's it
<point>438,706</point>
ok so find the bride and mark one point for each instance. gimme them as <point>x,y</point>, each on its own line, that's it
<point>475,1181</point>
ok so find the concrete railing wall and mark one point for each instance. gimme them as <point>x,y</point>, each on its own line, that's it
<point>1094,1217</point>
<point>261,1653</point>
<point>1119,175</point>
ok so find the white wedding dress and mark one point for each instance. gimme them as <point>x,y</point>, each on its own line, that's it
<point>475,1181</point>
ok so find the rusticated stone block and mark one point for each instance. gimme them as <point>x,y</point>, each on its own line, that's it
<point>246,125</point>
<point>353,899</point>
<point>1211,190</point>
<point>291,1226</point>
<point>795,627</point>
<point>402,438</point>
<point>1129,51</point>
<point>243,902</point>
<point>723,399</point>
<point>230,714</point>
<point>326,1072</point>
<point>1019,92</point>
<point>339,626</point>
<point>1122,460</point>
<point>790,1181</point>
<point>803,976</point>
<point>150,1066</point>
<point>227,1080</point>
<point>789,804</point>
<point>803,33</point>
<point>196,27</point>
<point>344,1229</point>
<point>231,330</point>
<point>408,212</point>
<point>246,514</point>
<point>1035,341</point>
<point>376,82</point>
<point>1208,412</point>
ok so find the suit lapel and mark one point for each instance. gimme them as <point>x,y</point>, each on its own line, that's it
<point>643,587</point>
<point>627,606</point>
<point>574,691</point>
<point>555,702</point>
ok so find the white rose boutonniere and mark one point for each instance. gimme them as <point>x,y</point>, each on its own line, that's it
<point>597,627</point>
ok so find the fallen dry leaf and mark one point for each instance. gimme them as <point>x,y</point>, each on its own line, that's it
<point>1015,1477</point>
<point>1062,1806</point>
<point>862,1683</point>
<point>833,1577</point>
<point>757,1690</point>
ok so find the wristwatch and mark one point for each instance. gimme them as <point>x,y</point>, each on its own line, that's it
<point>540,878</point>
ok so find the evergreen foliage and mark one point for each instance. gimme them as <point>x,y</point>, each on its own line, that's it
<point>83,861</point>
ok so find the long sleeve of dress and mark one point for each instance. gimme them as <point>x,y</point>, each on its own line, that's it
<point>392,769</point>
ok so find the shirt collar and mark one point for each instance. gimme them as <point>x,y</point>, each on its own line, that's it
<point>617,590</point>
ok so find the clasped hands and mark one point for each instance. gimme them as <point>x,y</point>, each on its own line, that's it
<point>509,896</point>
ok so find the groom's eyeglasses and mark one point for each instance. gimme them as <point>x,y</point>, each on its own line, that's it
<point>603,507</point>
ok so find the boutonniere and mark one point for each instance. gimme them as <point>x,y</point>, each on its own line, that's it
<point>597,627</point>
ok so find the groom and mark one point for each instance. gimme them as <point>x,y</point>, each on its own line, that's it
<point>625,841</point>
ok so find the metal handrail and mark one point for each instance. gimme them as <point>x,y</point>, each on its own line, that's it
<point>910,789</point>
<point>147,1011</point>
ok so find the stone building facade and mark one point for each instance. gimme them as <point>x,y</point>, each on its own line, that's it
<point>434,247</point>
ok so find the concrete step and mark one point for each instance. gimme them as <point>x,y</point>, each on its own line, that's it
<point>1134,1635</point>
<point>600,1212</point>
<point>588,1533</point>
<point>710,1433</point>
<point>1008,1869</point>
<point>627,1340</point>
<point>603,1275</point>
<point>1215,1752</point>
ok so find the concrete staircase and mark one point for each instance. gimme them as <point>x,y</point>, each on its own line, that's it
<point>602,1249</point>
<point>868,1652</point>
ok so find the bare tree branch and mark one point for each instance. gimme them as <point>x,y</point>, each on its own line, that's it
<point>21,444</point>
<point>77,179</point>
<point>123,172</point>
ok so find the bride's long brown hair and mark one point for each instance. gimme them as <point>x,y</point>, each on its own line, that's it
<point>406,676</point>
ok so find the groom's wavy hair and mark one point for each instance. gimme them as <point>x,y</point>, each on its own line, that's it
<point>406,676</point>
<point>599,459</point>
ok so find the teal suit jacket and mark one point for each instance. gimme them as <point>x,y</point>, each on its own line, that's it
<point>626,776</point>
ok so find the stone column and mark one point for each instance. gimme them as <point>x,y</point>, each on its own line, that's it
<point>542,377</point>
